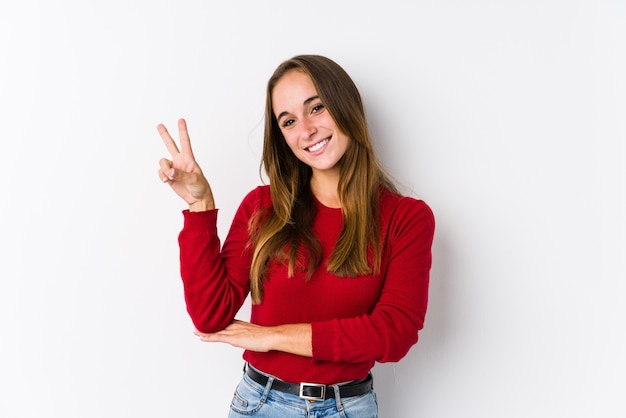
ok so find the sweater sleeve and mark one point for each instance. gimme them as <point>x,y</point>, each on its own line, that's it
<point>215,281</point>
<point>391,329</point>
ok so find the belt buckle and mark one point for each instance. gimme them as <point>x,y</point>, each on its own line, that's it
<point>322,388</point>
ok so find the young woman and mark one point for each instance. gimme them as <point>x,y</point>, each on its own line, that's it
<point>335,260</point>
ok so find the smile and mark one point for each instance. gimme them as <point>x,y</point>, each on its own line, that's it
<point>318,146</point>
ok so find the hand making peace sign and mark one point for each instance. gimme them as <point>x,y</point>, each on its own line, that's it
<point>182,172</point>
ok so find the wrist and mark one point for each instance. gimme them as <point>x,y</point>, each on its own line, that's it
<point>201,206</point>
<point>293,338</point>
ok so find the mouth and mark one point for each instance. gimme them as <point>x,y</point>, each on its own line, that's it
<point>318,146</point>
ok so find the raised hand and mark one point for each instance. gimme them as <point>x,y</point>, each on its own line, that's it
<point>182,172</point>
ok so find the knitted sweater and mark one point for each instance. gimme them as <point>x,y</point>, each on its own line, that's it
<point>355,320</point>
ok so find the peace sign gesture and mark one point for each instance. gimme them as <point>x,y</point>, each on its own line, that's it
<point>182,172</point>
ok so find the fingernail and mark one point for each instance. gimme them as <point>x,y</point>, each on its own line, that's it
<point>172,173</point>
<point>164,179</point>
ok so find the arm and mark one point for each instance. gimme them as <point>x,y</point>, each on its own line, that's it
<point>215,281</point>
<point>384,335</point>
<point>289,338</point>
<point>215,286</point>
<point>391,329</point>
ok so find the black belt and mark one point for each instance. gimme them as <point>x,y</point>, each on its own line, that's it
<point>314,391</point>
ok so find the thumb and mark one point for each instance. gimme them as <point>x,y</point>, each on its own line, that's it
<point>194,182</point>
<point>178,175</point>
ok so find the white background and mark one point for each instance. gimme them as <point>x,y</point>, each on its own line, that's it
<point>507,117</point>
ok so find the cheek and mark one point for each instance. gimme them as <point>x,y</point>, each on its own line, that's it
<point>291,141</point>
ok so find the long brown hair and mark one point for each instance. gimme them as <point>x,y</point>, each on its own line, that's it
<point>281,233</point>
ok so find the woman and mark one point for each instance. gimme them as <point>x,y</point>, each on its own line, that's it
<point>335,260</point>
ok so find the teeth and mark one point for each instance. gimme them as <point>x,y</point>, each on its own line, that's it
<point>318,146</point>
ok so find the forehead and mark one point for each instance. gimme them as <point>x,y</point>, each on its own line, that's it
<point>292,90</point>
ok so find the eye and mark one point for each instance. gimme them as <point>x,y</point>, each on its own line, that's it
<point>317,108</point>
<point>287,123</point>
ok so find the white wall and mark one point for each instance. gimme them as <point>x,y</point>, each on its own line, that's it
<point>507,117</point>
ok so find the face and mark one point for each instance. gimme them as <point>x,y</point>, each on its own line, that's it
<point>308,128</point>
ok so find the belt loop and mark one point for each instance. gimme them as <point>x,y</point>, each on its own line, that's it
<point>268,385</point>
<point>338,398</point>
<point>268,388</point>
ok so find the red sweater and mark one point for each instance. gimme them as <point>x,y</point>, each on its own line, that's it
<point>355,321</point>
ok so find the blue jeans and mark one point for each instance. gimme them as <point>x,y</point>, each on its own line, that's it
<point>253,400</point>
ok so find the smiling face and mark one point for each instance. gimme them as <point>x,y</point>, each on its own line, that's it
<point>307,126</point>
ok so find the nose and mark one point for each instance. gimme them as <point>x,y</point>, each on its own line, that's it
<point>307,128</point>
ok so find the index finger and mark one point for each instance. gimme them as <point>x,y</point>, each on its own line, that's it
<point>167,140</point>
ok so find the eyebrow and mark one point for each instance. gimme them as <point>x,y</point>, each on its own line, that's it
<point>306,102</point>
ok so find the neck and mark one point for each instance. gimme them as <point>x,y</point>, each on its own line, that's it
<point>324,187</point>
